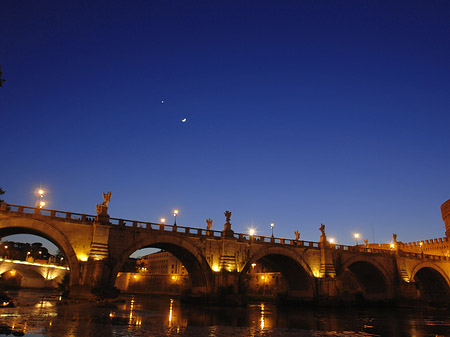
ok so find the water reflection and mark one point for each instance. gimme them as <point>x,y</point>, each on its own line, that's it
<point>142,316</point>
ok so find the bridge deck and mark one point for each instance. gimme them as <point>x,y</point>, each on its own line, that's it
<point>33,212</point>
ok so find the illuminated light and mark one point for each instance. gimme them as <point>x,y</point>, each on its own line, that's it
<point>215,268</point>
<point>175,212</point>
<point>421,243</point>
<point>41,204</point>
<point>331,240</point>
<point>41,192</point>
<point>13,272</point>
<point>6,247</point>
<point>262,316</point>
<point>263,277</point>
<point>163,220</point>
<point>173,277</point>
<point>251,232</point>
<point>111,314</point>
<point>392,246</point>
<point>253,265</point>
<point>170,312</point>
<point>356,235</point>
<point>82,257</point>
<point>316,273</point>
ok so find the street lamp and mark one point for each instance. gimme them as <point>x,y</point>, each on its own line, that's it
<point>251,232</point>
<point>356,237</point>
<point>163,220</point>
<point>41,202</point>
<point>271,226</point>
<point>175,213</point>
<point>331,240</point>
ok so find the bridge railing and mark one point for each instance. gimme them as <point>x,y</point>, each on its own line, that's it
<point>191,231</point>
<point>50,213</point>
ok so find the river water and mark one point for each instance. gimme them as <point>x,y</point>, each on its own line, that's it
<point>41,314</point>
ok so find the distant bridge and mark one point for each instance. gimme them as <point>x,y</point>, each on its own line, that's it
<point>31,274</point>
<point>97,246</point>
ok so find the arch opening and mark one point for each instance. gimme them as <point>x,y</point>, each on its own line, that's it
<point>364,279</point>
<point>39,258</point>
<point>432,285</point>
<point>169,269</point>
<point>276,275</point>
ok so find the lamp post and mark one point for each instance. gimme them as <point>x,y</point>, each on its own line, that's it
<point>163,220</point>
<point>41,202</point>
<point>356,238</point>
<point>175,213</point>
<point>271,226</point>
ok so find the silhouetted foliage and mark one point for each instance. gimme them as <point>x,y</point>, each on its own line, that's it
<point>2,191</point>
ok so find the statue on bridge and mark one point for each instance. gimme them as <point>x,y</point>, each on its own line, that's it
<point>106,199</point>
<point>323,237</point>
<point>297,235</point>
<point>102,209</point>
<point>227,231</point>
<point>227,216</point>
<point>209,223</point>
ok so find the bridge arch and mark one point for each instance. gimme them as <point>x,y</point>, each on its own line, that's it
<point>47,230</point>
<point>432,282</point>
<point>199,271</point>
<point>297,273</point>
<point>368,275</point>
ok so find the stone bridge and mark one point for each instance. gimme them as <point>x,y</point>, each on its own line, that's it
<point>96,247</point>
<point>31,274</point>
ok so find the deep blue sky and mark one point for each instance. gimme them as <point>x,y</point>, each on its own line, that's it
<point>298,112</point>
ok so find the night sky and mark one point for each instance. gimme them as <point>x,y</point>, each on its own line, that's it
<point>297,112</point>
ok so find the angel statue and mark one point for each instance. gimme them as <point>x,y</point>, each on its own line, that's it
<point>209,223</point>
<point>297,235</point>
<point>322,229</point>
<point>106,199</point>
<point>227,215</point>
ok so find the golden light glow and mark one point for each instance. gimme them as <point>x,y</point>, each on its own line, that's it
<point>263,277</point>
<point>82,257</point>
<point>251,231</point>
<point>6,247</point>
<point>272,224</point>
<point>174,277</point>
<point>356,235</point>
<point>331,240</point>
<point>41,192</point>
<point>175,212</point>
<point>253,265</point>
<point>421,244</point>
<point>170,312</point>
<point>392,246</point>
<point>13,272</point>
<point>41,204</point>
<point>262,316</point>
<point>215,268</point>
<point>163,220</point>
<point>135,276</point>
<point>316,273</point>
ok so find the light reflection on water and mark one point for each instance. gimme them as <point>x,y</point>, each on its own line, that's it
<point>41,314</point>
